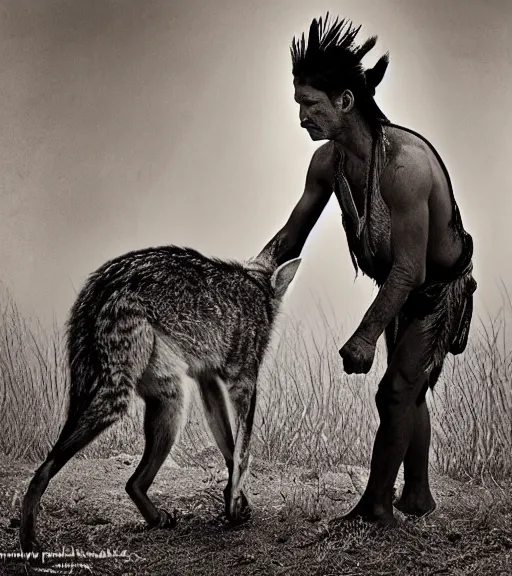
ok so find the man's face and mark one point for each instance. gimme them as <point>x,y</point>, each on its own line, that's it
<point>317,114</point>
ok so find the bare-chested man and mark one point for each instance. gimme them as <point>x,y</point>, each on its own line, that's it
<point>404,230</point>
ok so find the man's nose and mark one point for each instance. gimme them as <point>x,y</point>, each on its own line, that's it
<point>302,115</point>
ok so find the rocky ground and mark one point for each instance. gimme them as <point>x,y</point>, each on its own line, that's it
<point>86,512</point>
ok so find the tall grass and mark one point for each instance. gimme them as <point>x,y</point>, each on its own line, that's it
<point>32,384</point>
<point>309,412</point>
<point>472,406</point>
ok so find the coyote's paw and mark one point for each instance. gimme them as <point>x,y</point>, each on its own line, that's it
<point>239,510</point>
<point>29,543</point>
<point>165,520</point>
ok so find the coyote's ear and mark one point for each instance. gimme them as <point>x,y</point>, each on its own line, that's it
<point>282,277</point>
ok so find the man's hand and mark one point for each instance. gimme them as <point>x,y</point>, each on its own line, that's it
<point>358,354</point>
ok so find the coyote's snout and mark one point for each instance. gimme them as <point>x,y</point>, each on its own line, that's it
<point>141,324</point>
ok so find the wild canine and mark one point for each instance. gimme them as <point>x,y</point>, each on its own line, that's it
<point>142,323</point>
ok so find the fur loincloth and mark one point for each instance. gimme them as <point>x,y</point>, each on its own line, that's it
<point>447,309</point>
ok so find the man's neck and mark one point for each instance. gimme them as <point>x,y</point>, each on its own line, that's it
<point>356,140</point>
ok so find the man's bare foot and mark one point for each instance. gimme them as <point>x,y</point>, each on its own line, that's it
<point>415,505</point>
<point>374,514</point>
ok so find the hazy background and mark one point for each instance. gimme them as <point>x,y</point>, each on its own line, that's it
<point>126,124</point>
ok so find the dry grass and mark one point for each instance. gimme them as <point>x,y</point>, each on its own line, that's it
<point>309,412</point>
<point>86,507</point>
<point>312,441</point>
<point>473,406</point>
<point>32,385</point>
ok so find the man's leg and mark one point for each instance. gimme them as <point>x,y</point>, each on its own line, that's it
<point>416,498</point>
<point>397,401</point>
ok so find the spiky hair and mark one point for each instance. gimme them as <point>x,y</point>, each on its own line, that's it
<point>331,61</point>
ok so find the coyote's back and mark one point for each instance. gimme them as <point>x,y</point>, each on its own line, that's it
<point>146,323</point>
<point>213,314</point>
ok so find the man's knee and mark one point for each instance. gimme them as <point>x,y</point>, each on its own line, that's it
<point>422,396</point>
<point>396,389</point>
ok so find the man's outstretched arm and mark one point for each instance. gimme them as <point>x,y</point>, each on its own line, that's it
<point>289,241</point>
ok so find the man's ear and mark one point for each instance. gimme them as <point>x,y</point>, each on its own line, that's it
<point>345,101</point>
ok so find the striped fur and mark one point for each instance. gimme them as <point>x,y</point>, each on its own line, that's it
<point>147,323</point>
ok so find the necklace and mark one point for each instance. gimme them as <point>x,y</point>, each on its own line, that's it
<point>347,199</point>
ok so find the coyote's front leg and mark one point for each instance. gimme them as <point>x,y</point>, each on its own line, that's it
<point>230,414</point>
<point>243,398</point>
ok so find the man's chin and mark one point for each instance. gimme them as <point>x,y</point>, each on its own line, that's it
<point>317,136</point>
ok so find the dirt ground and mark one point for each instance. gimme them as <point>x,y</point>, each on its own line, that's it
<point>86,513</point>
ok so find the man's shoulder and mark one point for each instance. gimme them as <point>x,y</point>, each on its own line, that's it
<point>322,162</point>
<point>324,154</point>
<point>408,166</point>
<point>406,146</point>
<point>407,151</point>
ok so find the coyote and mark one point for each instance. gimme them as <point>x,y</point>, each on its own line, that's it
<point>143,323</point>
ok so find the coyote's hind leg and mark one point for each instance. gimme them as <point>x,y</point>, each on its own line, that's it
<point>163,389</point>
<point>103,410</point>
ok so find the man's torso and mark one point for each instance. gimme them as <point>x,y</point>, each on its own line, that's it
<point>368,220</point>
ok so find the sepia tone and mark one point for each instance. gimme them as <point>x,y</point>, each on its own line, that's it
<point>129,125</point>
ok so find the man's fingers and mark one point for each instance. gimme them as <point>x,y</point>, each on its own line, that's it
<point>368,365</point>
<point>354,363</point>
<point>347,362</point>
<point>348,365</point>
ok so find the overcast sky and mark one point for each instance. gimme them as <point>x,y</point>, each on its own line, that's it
<point>127,124</point>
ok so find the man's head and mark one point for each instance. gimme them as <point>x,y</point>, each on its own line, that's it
<point>330,81</point>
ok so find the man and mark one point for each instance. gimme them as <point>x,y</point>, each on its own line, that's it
<point>404,230</point>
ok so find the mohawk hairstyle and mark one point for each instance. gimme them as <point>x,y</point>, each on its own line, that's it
<point>331,61</point>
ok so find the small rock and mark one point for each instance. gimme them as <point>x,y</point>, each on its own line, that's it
<point>246,559</point>
<point>97,520</point>
<point>80,495</point>
<point>454,536</point>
